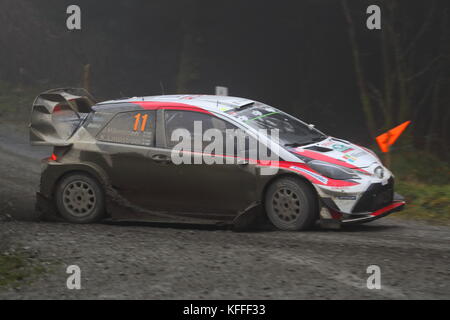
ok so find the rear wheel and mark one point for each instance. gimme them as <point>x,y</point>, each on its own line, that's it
<point>291,204</point>
<point>80,198</point>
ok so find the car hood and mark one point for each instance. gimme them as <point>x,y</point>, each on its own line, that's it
<point>337,151</point>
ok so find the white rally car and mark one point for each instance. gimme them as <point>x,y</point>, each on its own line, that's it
<point>116,159</point>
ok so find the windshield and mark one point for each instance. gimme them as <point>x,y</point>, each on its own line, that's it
<point>292,132</point>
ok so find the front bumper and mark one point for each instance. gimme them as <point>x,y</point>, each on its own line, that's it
<point>331,216</point>
<point>396,205</point>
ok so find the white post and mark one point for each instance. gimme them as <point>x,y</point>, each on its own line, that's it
<point>221,91</point>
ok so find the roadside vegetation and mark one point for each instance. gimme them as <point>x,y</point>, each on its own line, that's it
<point>424,180</point>
<point>17,268</point>
<point>16,101</point>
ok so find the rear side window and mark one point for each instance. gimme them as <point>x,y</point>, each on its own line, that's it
<point>135,128</point>
<point>185,120</point>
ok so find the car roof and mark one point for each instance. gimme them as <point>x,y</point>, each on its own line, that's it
<point>208,102</point>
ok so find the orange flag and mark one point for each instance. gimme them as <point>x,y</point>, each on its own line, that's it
<point>388,138</point>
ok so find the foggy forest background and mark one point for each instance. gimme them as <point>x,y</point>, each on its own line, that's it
<point>314,58</point>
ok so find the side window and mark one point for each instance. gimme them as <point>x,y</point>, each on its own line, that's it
<point>187,120</point>
<point>136,128</point>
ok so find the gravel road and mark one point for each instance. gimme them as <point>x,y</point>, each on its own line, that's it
<point>160,261</point>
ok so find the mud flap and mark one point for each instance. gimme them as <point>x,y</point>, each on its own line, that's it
<point>46,209</point>
<point>249,218</point>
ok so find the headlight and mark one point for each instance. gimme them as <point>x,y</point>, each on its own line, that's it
<point>332,171</point>
<point>379,172</point>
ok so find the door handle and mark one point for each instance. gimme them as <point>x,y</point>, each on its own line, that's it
<point>242,162</point>
<point>161,158</point>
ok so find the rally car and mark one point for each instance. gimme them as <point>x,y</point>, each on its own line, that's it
<point>115,159</point>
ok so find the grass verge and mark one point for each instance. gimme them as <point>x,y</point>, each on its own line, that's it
<point>424,181</point>
<point>425,202</point>
<point>18,268</point>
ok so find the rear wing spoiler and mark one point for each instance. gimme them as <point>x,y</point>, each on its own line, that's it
<point>56,114</point>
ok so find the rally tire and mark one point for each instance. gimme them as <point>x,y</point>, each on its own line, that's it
<point>291,204</point>
<point>80,198</point>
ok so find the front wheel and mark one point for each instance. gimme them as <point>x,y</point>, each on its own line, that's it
<point>291,204</point>
<point>80,198</point>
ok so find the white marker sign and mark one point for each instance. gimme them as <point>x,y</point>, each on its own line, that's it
<point>221,91</point>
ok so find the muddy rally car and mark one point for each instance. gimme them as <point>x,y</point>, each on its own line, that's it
<point>119,160</point>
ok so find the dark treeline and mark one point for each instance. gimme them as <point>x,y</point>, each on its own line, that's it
<point>313,58</point>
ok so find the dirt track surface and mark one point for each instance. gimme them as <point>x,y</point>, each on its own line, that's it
<point>154,261</point>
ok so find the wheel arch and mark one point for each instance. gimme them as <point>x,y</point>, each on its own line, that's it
<point>54,175</point>
<point>286,175</point>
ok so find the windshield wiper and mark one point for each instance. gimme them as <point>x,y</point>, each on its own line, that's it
<point>296,144</point>
<point>320,138</point>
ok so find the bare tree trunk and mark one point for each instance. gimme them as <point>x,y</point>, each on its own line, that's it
<point>404,99</point>
<point>388,80</point>
<point>87,77</point>
<point>445,133</point>
<point>188,65</point>
<point>432,130</point>
<point>363,90</point>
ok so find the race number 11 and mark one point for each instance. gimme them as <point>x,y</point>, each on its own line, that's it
<point>138,120</point>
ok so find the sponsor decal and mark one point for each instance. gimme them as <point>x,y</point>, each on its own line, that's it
<point>269,109</point>
<point>257,117</point>
<point>358,154</point>
<point>346,197</point>
<point>224,109</point>
<point>312,174</point>
<point>341,147</point>
<point>349,158</point>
